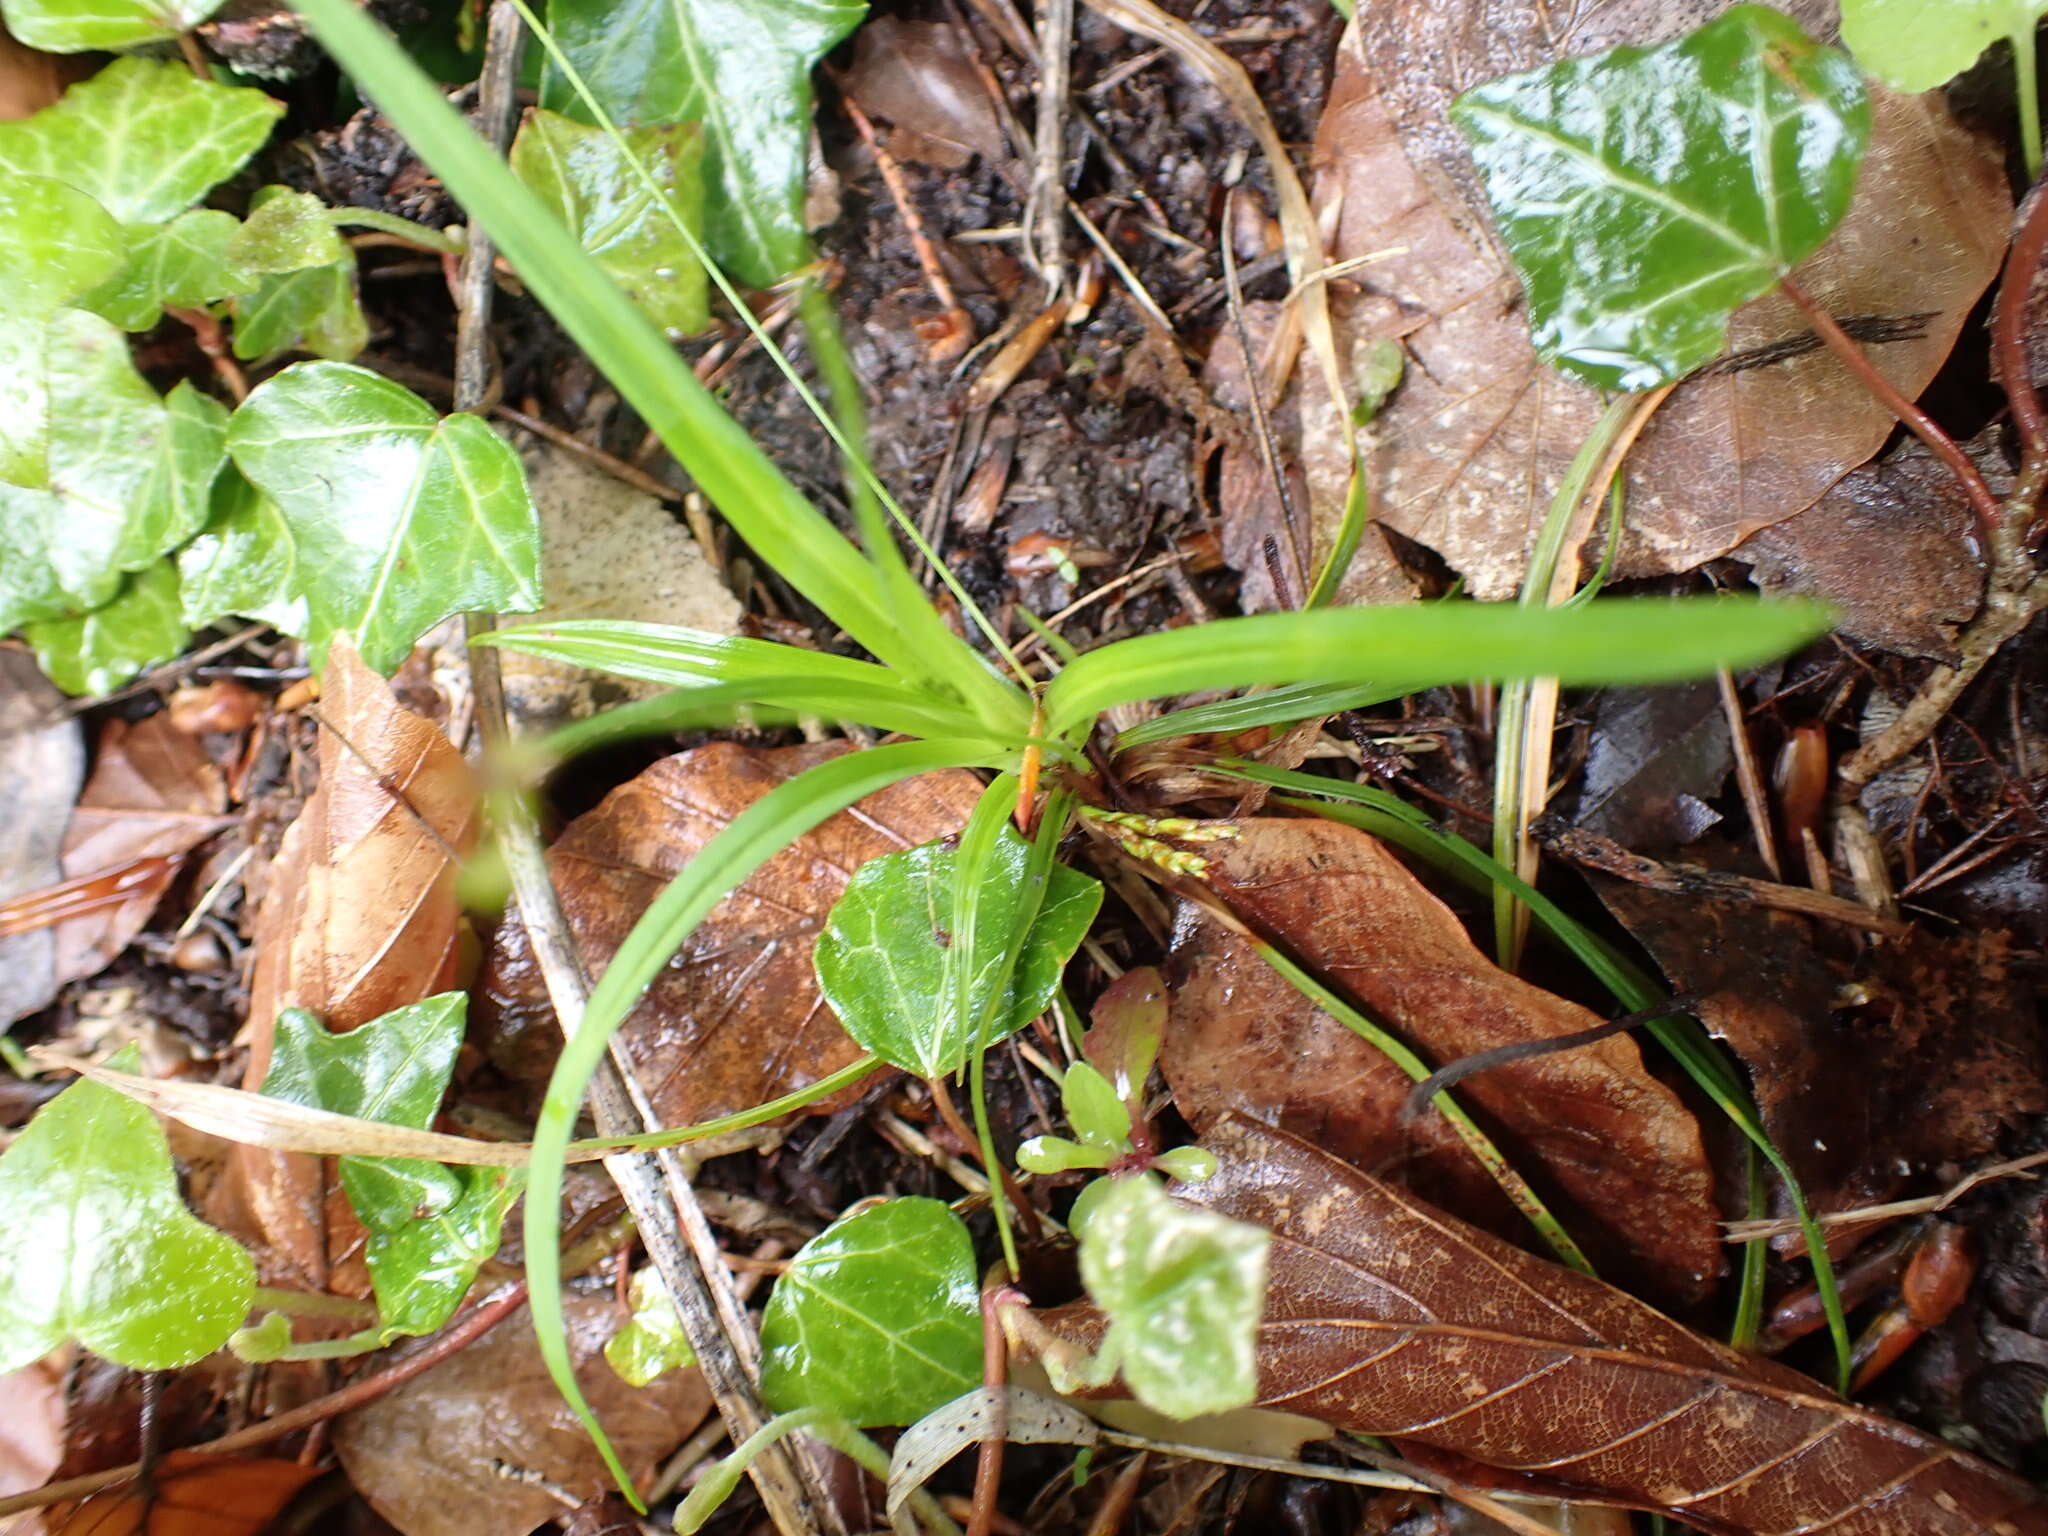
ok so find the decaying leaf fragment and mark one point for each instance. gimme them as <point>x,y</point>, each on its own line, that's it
<point>1388,1317</point>
<point>1592,1125</point>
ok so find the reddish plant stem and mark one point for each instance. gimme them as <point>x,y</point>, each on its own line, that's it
<point>995,1377</point>
<point>1915,420</point>
<point>2008,327</point>
<point>459,1335</point>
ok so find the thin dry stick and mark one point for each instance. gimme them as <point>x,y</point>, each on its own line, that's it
<point>458,1335</point>
<point>1045,209</point>
<point>1748,774</point>
<point>1926,1205</point>
<point>656,1187</point>
<point>959,331</point>
<point>1268,450</point>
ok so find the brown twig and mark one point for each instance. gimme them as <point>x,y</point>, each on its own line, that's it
<point>1592,851</point>
<point>1915,420</point>
<point>1269,452</point>
<point>949,338</point>
<point>458,1335</point>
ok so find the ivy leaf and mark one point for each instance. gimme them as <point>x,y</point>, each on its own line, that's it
<point>120,476</point>
<point>245,561</point>
<point>877,1318</point>
<point>55,243</point>
<point>1182,1289</point>
<point>286,231</point>
<point>430,1226</point>
<point>881,959</point>
<point>144,138</point>
<point>141,626</point>
<point>652,1343</point>
<point>588,184</point>
<point>316,310</point>
<point>182,263</point>
<point>742,68</point>
<point>1647,193</point>
<point>85,26</point>
<point>100,1247</point>
<point>1915,45</point>
<point>398,517</point>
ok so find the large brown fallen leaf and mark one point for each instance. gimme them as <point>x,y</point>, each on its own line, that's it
<point>1871,1062</point>
<point>359,916</point>
<point>153,795</point>
<point>428,1455</point>
<point>1469,449</point>
<point>1387,1317</point>
<point>1592,1129</point>
<point>735,1019</point>
<point>42,760</point>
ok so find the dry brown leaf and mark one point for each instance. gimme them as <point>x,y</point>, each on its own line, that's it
<point>153,793</point>
<point>427,1455</point>
<point>1386,1317</point>
<point>1945,1043</point>
<point>735,1019</point>
<point>42,760</point>
<point>1927,585</point>
<point>359,916</point>
<point>1592,1126</point>
<point>195,1495</point>
<point>31,1434</point>
<point>919,77</point>
<point>1470,448</point>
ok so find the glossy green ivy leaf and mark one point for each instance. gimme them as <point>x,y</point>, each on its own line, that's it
<point>742,68</point>
<point>652,1342</point>
<point>399,518</point>
<point>1182,1289</point>
<point>244,562</point>
<point>877,1318</point>
<point>286,231</point>
<point>29,589</point>
<point>120,475</point>
<point>144,138</point>
<point>316,310</point>
<point>85,26</point>
<point>1915,45</point>
<point>430,1225</point>
<point>55,243</point>
<point>141,626</point>
<point>584,180</point>
<point>183,263</point>
<point>1647,193</point>
<point>100,1247</point>
<point>881,959</point>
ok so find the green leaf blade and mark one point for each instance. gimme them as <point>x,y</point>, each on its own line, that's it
<point>399,517</point>
<point>1647,193</point>
<point>100,1247</point>
<point>1915,45</point>
<point>141,626</point>
<point>1405,649</point>
<point>882,959</point>
<point>877,1318</point>
<point>55,243</point>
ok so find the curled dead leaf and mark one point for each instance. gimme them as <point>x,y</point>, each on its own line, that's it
<point>1592,1125</point>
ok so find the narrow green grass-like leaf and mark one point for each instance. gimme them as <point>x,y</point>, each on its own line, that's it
<point>1645,194</point>
<point>1276,706</point>
<point>774,821</point>
<point>753,495</point>
<point>1619,640</point>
